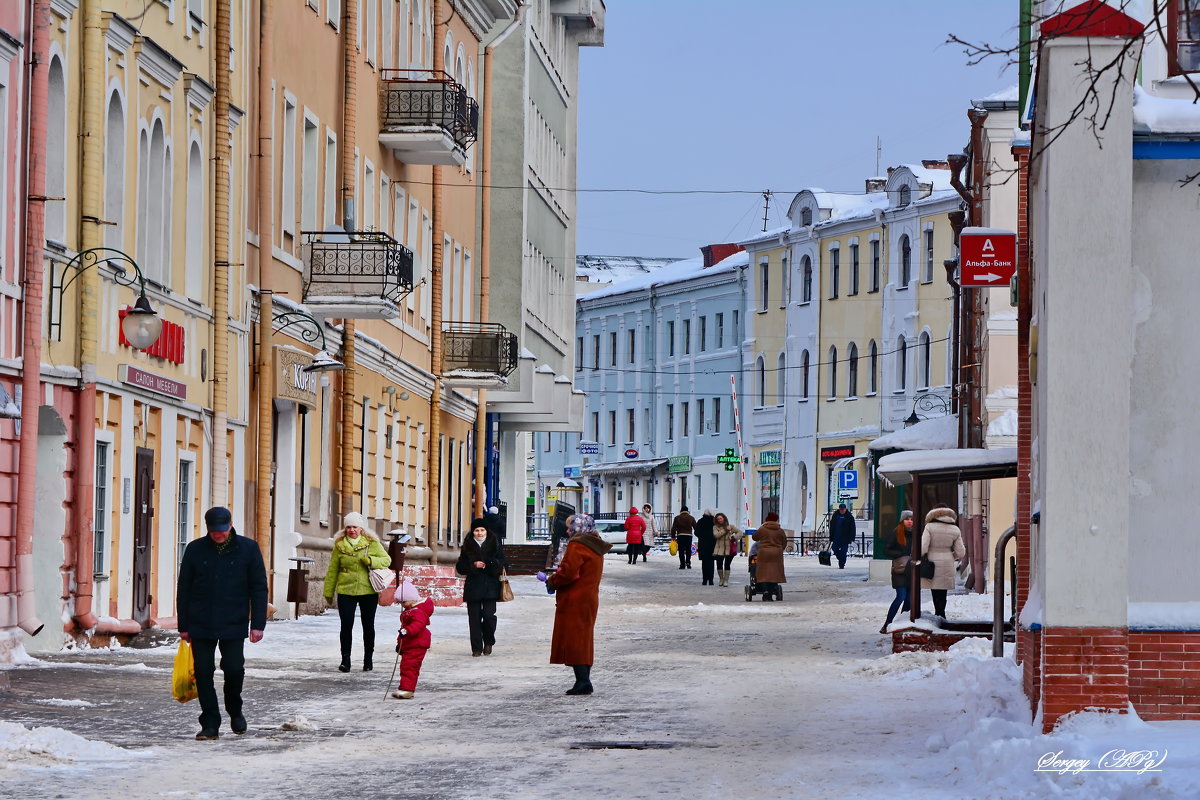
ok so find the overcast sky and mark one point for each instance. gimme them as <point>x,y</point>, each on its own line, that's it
<point>765,94</point>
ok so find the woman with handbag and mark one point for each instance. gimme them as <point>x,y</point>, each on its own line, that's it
<point>942,545</point>
<point>897,546</point>
<point>725,546</point>
<point>651,531</point>
<point>481,561</point>
<point>356,551</point>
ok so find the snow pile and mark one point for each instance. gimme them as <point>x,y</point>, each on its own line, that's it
<point>1164,114</point>
<point>1004,425</point>
<point>299,723</point>
<point>39,747</point>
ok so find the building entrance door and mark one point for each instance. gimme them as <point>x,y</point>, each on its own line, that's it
<point>143,516</point>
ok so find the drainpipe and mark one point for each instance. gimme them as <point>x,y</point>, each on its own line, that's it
<point>91,235</point>
<point>432,478</point>
<point>347,178</point>
<point>223,153</point>
<point>37,48</point>
<point>265,383</point>
<point>998,592</point>
<point>485,246</point>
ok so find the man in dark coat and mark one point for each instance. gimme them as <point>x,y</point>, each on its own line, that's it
<point>222,591</point>
<point>681,534</point>
<point>706,541</point>
<point>842,533</point>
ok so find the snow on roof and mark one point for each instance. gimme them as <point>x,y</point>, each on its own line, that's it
<point>940,178</point>
<point>939,433</point>
<point>1009,95</point>
<point>897,468</point>
<point>1153,114</point>
<point>852,206</point>
<point>673,273</point>
<point>610,269</point>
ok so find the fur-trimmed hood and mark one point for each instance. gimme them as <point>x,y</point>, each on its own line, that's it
<point>941,514</point>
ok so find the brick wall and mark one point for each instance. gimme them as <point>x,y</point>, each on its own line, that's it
<point>1164,674</point>
<point>1083,668</point>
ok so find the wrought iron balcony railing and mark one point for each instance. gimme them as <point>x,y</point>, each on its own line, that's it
<point>369,264</point>
<point>478,347</point>
<point>424,98</point>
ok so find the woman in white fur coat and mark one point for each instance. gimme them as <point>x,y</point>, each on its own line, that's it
<point>941,543</point>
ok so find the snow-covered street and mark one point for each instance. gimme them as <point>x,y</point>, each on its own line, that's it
<point>699,694</point>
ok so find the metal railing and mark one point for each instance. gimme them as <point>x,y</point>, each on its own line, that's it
<point>430,99</point>
<point>365,264</point>
<point>481,346</point>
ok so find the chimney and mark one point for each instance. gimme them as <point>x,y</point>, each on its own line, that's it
<point>716,253</point>
<point>876,184</point>
<point>935,163</point>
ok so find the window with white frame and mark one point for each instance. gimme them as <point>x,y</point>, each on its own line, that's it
<point>687,337</point>
<point>716,415</point>
<point>804,364</point>
<point>764,284</point>
<point>595,426</point>
<point>901,365</point>
<point>703,334</point>
<point>835,271</point>
<point>786,294</point>
<point>331,193</point>
<point>114,173</point>
<point>670,422</point>
<point>101,513</point>
<point>806,270</point>
<point>56,154</point>
<point>720,325</point>
<point>853,269</point>
<point>630,431</point>
<point>194,229</point>
<point>874,266</point>
<point>873,366</point>
<point>852,371</point>
<point>612,348</point>
<point>685,419</point>
<point>334,12</point>
<point>183,508</point>
<point>308,174</point>
<point>631,348</point>
<point>905,262</point>
<point>924,354</point>
<point>927,235</point>
<point>832,372</point>
<point>671,337</point>
<point>760,381</point>
<point>288,186</point>
<point>367,222</point>
<point>372,20</point>
<point>612,427</point>
<point>700,417</point>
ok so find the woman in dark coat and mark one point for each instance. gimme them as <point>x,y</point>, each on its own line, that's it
<point>768,572</point>
<point>577,583</point>
<point>706,540</point>
<point>481,560</point>
<point>897,546</point>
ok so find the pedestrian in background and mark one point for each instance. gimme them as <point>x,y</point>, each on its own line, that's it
<point>725,535</point>
<point>576,584</point>
<point>414,639</point>
<point>356,551</point>
<point>481,562</point>
<point>705,541</point>
<point>222,591</point>
<point>941,543</point>
<point>772,541</point>
<point>635,529</point>
<point>681,533</point>
<point>842,533</point>
<point>898,546</point>
<point>651,531</point>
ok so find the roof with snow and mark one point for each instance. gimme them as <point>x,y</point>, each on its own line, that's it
<point>963,464</point>
<point>939,433</point>
<point>677,272</point>
<point>1153,114</point>
<point>610,269</point>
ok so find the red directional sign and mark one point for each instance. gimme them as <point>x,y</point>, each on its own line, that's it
<point>986,257</point>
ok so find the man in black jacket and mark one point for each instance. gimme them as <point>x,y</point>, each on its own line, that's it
<point>842,533</point>
<point>222,591</point>
<point>681,532</point>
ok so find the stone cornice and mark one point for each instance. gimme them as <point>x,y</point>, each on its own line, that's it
<point>199,91</point>
<point>9,46</point>
<point>64,8</point>
<point>120,35</point>
<point>157,62</point>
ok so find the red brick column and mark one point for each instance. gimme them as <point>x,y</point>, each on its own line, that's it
<point>1083,668</point>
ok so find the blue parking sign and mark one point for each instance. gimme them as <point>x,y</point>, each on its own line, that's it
<point>847,479</point>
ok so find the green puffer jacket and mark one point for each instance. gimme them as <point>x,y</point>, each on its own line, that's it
<point>350,564</point>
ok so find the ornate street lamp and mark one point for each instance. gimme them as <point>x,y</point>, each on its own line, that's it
<point>927,402</point>
<point>311,332</point>
<point>142,325</point>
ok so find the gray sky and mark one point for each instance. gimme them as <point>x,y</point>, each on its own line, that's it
<point>765,94</point>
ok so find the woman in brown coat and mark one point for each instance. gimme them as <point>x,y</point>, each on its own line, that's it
<point>577,584</point>
<point>941,543</point>
<point>768,573</point>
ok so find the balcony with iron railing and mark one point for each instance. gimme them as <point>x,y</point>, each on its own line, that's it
<point>426,117</point>
<point>356,275</point>
<point>477,354</point>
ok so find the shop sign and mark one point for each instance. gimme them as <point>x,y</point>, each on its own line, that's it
<point>589,448</point>
<point>572,472</point>
<point>679,464</point>
<point>730,459</point>
<point>631,453</point>
<point>154,383</point>
<point>841,451</point>
<point>291,381</point>
<point>769,458</point>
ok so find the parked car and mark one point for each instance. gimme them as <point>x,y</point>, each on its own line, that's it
<point>613,532</point>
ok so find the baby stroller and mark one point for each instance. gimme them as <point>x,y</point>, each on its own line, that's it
<point>753,588</point>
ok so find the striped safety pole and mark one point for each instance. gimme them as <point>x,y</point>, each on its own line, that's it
<point>737,426</point>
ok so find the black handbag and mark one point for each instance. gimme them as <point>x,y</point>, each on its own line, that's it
<point>823,556</point>
<point>927,568</point>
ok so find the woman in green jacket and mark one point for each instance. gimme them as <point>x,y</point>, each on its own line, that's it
<point>356,551</point>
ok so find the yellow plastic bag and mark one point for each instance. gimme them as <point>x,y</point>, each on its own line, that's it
<point>674,547</point>
<point>183,677</point>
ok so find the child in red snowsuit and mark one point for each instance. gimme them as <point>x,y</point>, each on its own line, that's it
<point>413,642</point>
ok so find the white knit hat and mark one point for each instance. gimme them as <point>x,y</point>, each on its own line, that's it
<point>407,592</point>
<point>356,519</point>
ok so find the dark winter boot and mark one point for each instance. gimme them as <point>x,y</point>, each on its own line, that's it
<point>345,665</point>
<point>368,665</point>
<point>583,682</point>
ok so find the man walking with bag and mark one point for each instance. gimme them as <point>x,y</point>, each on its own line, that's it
<point>842,533</point>
<point>681,533</point>
<point>222,591</point>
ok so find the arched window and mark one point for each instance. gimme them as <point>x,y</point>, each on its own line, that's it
<point>781,380</point>
<point>905,262</point>
<point>852,371</point>
<point>807,287</point>
<point>901,364</point>
<point>153,266</point>
<point>832,372</point>
<point>56,153</point>
<point>194,234</point>
<point>923,349</point>
<point>143,195</point>
<point>760,382</point>
<point>804,375</point>
<point>114,173</point>
<point>873,365</point>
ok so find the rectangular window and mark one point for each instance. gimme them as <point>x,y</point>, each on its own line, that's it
<point>596,352</point>
<point>579,351</point>
<point>629,426</point>
<point>928,277</point>
<point>1183,33</point>
<point>371,15</point>
<point>288,187</point>
<point>612,427</point>
<point>874,266</point>
<point>835,272</point>
<point>853,269</point>
<point>699,417</point>
<point>703,334</point>
<point>595,426</point>
<point>764,284</point>
<point>612,349</point>
<point>368,200</point>
<point>331,164</point>
<point>720,331</point>
<point>183,515</point>
<point>546,442</point>
<point>671,338</point>
<point>305,444</point>
<point>734,333</point>
<point>786,295</point>
<point>100,512</point>
<point>716,426</point>
<point>308,202</point>
<point>684,419</point>
<point>632,341</point>
<point>687,337</point>
<point>670,422</point>
<point>335,13</point>
<point>647,344</point>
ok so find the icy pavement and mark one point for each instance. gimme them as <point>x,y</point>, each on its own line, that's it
<point>699,694</point>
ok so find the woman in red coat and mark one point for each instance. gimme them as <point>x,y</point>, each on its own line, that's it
<point>635,528</point>
<point>577,583</point>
